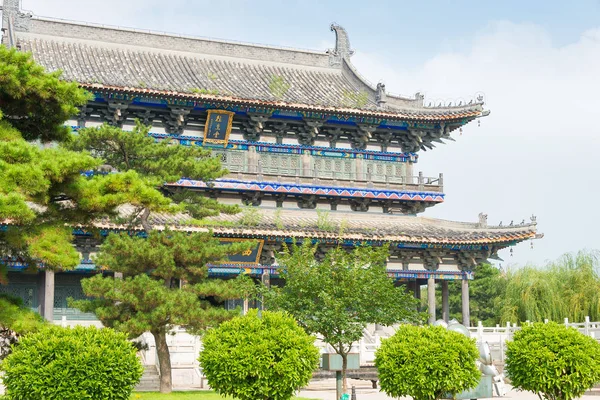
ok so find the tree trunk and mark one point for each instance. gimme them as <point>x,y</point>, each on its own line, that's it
<point>344,368</point>
<point>164,358</point>
<point>144,220</point>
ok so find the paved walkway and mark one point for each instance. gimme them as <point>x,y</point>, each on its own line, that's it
<point>325,390</point>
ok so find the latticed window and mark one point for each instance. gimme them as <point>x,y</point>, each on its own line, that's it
<point>26,292</point>
<point>338,166</point>
<point>294,163</point>
<point>237,159</point>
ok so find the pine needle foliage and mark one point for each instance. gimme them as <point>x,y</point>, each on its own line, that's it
<point>42,189</point>
<point>34,102</point>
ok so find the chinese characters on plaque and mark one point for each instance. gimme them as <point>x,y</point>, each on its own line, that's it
<point>249,256</point>
<point>218,127</point>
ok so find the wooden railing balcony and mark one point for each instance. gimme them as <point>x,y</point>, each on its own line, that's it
<point>419,183</point>
<point>331,172</point>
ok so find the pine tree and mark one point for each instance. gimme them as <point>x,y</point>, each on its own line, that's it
<point>42,189</point>
<point>148,297</point>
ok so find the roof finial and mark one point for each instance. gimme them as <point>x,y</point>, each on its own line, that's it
<point>342,45</point>
<point>380,96</point>
<point>13,20</point>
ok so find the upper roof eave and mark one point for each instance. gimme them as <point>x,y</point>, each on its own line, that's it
<point>469,112</point>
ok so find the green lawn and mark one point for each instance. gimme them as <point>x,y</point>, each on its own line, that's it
<point>192,395</point>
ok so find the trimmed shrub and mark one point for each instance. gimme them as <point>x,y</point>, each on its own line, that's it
<point>556,362</point>
<point>427,363</point>
<point>72,363</point>
<point>252,357</point>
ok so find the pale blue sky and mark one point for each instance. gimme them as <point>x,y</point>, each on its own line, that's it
<point>537,63</point>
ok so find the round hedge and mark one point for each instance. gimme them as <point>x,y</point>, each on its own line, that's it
<point>552,360</point>
<point>252,357</point>
<point>72,363</point>
<point>427,363</point>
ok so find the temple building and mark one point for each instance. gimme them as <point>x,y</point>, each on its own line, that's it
<point>314,151</point>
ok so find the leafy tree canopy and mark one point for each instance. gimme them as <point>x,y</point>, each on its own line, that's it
<point>146,300</point>
<point>72,363</point>
<point>338,296</point>
<point>426,363</point>
<point>259,357</point>
<point>566,288</point>
<point>556,362</point>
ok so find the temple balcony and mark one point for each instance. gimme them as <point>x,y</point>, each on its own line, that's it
<point>309,181</point>
<point>327,171</point>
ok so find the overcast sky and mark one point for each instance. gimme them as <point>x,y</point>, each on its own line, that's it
<point>536,62</point>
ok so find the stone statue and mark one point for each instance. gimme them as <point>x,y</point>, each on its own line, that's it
<point>482,220</point>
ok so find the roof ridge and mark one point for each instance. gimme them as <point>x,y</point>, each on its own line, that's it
<point>181,53</point>
<point>176,35</point>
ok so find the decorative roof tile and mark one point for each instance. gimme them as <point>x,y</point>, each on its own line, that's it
<point>156,64</point>
<point>336,225</point>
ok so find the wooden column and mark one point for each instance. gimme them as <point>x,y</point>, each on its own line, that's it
<point>417,289</point>
<point>445,303</point>
<point>266,281</point>
<point>466,312</point>
<point>409,172</point>
<point>431,298</point>
<point>48,306</point>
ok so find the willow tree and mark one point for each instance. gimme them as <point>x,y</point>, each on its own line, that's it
<point>165,277</point>
<point>337,297</point>
<point>566,288</point>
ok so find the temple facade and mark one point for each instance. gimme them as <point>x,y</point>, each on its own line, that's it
<point>314,151</point>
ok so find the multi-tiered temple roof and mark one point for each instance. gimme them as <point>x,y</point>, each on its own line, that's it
<point>192,68</point>
<point>306,133</point>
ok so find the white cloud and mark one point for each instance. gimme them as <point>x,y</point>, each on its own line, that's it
<point>537,151</point>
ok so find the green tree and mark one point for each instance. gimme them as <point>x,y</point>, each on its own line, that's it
<point>145,300</point>
<point>16,320</point>
<point>264,356</point>
<point>72,363</point>
<point>158,164</point>
<point>148,297</point>
<point>556,362</point>
<point>42,190</point>
<point>566,288</point>
<point>338,296</point>
<point>426,363</point>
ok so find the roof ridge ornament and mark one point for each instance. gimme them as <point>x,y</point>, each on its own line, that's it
<point>342,46</point>
<point>19,21</point>
<point>380,95</point>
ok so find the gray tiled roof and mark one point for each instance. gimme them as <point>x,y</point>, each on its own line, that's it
<point>298,223</point>
<point>186,73</point>
<point>159,64</point>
